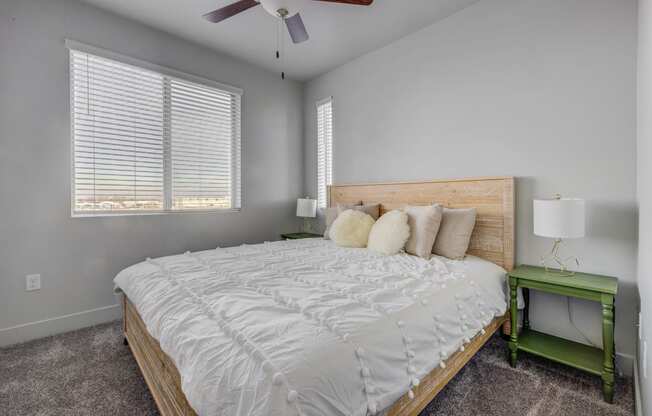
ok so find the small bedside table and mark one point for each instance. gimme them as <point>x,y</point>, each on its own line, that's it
<point>296,236</point>
<point>581,285</point>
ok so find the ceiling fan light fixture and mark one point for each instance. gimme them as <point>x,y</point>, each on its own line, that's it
<point>287,7</point>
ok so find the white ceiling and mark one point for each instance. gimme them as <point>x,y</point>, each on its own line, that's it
<point>338,32</point>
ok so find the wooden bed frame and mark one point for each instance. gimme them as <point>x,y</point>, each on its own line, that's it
<point>492,239</point>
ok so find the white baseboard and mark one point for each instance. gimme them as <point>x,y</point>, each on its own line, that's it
<point>625,364</point>
<point>39,329</point>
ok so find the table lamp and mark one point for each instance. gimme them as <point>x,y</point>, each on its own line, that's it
<point>559,218</point>
<point>306,208</point>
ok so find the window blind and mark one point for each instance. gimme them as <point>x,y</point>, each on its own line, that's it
<point>324,150</point>
<point>145,141</point>
<point>205,138</point>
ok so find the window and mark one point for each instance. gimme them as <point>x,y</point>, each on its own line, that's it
<point>324,149</point>
<point>149,139</point>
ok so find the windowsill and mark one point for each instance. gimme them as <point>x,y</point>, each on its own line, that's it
<point>149,213</point>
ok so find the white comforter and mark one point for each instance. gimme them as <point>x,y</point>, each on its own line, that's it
<point>305,327</point>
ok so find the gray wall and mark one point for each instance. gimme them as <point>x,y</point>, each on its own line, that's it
<point>78,258</point>
<point>540,89</point>
<point>644,182</point>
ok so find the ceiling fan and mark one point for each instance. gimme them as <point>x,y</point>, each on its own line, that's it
<point>286,10</point>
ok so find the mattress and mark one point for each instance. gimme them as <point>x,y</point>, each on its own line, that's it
<point>304,327</point>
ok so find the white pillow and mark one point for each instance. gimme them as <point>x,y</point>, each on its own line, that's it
<point>331,213</point>
<point>351,229</point>
<point>389,233</point>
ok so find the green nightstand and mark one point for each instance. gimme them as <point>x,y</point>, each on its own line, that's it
<point>581,285</point>
<point>296,236</point>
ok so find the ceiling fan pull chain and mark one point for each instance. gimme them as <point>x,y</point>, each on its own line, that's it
<point>280,31</point>
<point>278,54</point>
<point>279,46</point>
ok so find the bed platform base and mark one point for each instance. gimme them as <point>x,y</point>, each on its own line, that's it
<point>164,381</point>
<point>158,370</point>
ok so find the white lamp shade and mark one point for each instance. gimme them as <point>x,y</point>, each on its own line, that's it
<point>559,218</point>
<point>306,207</point>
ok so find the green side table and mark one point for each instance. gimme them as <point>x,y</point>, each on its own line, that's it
<point>581,285</point>
<point>296,236</point>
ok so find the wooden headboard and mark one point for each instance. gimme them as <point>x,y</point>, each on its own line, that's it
<point>493,235</point>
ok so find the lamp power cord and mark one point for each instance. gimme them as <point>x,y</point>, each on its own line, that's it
<point>570,319</point>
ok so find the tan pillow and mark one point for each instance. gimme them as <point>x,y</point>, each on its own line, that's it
<point>424,224</point>
<point>371,209</point>
<point>455,232</point>
<point>331,214</point>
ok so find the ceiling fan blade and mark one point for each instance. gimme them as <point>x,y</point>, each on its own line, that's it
<point>296,28</point>
<point>230,10</point>
<point>354,2</point>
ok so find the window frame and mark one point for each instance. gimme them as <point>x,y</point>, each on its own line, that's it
<point>318,104</point>
<point>166,72</point>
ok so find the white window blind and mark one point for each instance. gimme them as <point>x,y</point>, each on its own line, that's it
<point>145,141</point>
<point>324,150</point>
<point>205,147</point>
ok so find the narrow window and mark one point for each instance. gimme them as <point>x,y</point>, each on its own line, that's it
<point>324,150</point>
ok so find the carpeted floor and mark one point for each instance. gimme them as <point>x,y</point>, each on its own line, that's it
<point>90,372</point>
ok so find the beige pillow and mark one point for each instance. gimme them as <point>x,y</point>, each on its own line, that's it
<point>371,209</point>
<point>331,213</point>
<point>455,232</point>
<point>351,229</point>
<point>424,224</point>
<point>389,233</point>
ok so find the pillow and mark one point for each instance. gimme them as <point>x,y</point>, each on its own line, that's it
<point>389,233</point>
<point>371,209</point>
<point>331,213</point>
<point>424,222</point>
<point>455,233</point>
<point>351,229</point>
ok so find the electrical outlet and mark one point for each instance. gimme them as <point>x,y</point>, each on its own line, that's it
<point>32,282</point>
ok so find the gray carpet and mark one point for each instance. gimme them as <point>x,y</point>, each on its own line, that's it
<point>90,372</point>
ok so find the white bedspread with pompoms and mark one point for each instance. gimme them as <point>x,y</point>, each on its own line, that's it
<point>304,327</point>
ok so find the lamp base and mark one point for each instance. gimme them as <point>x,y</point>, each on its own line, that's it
<point>307,226</point>
<point>553,259</point>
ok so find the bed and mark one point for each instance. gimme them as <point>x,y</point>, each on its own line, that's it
<point>308,328</point>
